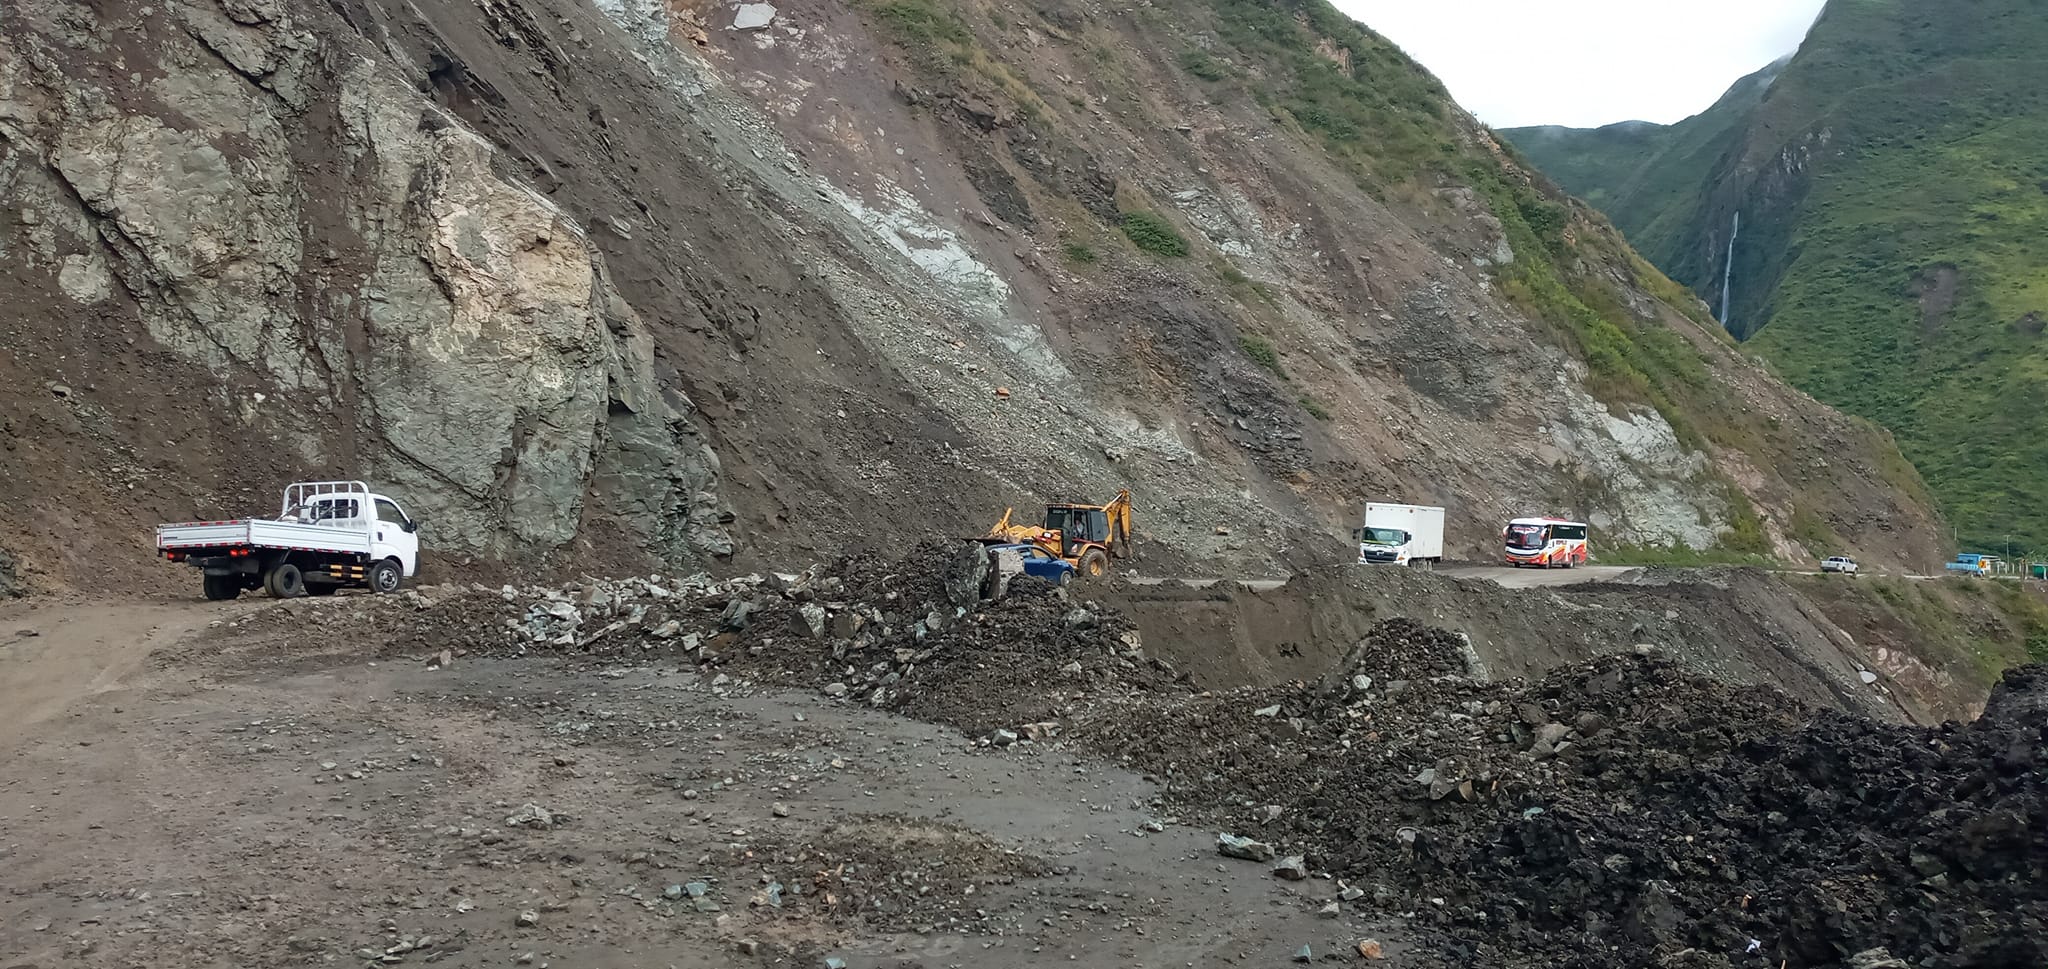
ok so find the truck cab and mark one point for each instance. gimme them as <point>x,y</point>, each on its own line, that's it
<point>1383,546</point>
<point>390,532</point>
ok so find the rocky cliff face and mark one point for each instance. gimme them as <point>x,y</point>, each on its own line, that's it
<point>610,282</point>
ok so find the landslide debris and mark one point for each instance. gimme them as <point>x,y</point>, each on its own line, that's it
<point>1622,812</point>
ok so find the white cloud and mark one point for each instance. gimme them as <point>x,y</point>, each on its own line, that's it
<point>1588,62</point>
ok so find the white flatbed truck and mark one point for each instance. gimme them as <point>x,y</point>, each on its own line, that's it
<point>329,535</point>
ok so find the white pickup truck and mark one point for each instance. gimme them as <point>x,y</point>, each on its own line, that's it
<point>330,534</point>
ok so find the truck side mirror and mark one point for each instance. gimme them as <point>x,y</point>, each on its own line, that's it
<point>411,525</point>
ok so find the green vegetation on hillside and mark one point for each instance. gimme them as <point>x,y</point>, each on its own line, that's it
<point>1152,233</point>
<point>1893,196</point>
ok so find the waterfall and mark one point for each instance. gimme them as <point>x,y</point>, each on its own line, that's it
<point>1728,273</point>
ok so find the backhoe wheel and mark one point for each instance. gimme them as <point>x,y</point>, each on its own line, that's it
<point>385,577</point>
<point>1094,564</point>
<point>285,581</point>
<point>220,588</point>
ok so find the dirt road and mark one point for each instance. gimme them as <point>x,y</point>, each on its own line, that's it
<point>1501,575</point>
<point>1514,578</point>
<point>180,795</point>
<point>57,652</point>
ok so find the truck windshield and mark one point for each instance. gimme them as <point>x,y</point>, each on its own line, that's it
<point>1383,536</point>
<point>1526,536</point>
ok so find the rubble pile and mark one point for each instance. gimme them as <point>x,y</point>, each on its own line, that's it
<point>894,873</point>
<point>1618,813</point>
<point>915,635</point>
<point>1625,813</point>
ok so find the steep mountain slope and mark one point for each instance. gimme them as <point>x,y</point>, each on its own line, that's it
<point>1646,176</point>
<point>1891,193</point>
<point>598,284</point>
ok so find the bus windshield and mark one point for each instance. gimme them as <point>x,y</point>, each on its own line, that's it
<point>1527,536</point>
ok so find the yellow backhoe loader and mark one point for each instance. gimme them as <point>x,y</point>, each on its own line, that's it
<point>1085,536</point>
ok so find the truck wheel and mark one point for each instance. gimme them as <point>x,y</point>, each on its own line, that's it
<point>285,581</point>
<point>1094,564</point>
<point>385,577</point>
<point>220,588</point>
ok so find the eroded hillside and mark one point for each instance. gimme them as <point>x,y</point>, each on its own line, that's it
<point>593,284</point>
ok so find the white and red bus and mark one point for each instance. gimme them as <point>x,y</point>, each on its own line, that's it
<point>1549,543</point>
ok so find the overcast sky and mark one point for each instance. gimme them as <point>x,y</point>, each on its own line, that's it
<point>1586,63</point>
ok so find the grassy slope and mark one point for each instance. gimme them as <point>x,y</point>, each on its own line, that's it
<point>1916,132</point>
<point>1968,629</point>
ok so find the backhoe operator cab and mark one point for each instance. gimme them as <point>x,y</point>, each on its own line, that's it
<point>1089,535</point>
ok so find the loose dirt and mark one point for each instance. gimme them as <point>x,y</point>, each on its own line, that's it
<point>867,762</point>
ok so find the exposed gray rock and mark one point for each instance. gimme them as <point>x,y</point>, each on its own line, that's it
<point>498,376</point>
<point>1232,846</point>
<point>530,815</point>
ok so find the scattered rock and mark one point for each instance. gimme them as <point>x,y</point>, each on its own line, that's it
<point>527,919</point>
<point>1329,910</point>
<point>1304,954</point>
<point>1272,711</point>
<point>1371,949</point>
<point>753,16</point>
<point>1876,959</point>
<point>530,815</point>
<point>1232,846</point>
<point>835,689</point>
<point>779,809</point>
<point>1292,868</point>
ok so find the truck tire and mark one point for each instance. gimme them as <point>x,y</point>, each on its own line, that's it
<point>285,581</point>
<point>385,577</point>
<point>1094,564</point>
<point>220,588</point>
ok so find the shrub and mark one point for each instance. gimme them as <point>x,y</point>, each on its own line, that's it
<point>1078,253</point>
<point>1152,233</point>
<point>1261,352</point>
<point>1200,64</point>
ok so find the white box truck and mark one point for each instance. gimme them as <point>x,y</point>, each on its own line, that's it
<point>1411,535</point>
